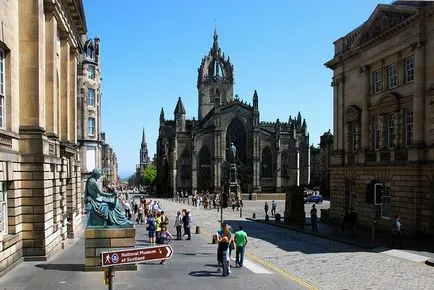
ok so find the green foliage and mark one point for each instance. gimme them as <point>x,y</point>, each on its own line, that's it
<point>149,174</point>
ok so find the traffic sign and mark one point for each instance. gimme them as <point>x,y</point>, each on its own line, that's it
<point>135,255</point>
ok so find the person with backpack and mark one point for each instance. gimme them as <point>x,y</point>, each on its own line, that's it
<point>152,226</point>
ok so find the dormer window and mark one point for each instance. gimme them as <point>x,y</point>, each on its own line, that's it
<point>89,52</point>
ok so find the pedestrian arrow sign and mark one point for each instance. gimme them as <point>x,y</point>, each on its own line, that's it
<point>135,255</point>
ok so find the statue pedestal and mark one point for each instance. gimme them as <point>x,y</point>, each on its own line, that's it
<point>100,239</point>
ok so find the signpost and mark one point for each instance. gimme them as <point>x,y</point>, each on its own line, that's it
<point>132,256</point>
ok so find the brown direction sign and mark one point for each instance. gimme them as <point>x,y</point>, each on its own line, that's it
<point>135,255</point>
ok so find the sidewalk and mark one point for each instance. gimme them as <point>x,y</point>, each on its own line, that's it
<point>414,248</point>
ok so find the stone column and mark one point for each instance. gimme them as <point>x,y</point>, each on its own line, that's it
<point>173,165</point>
<point>256,160</point>
<point>51,89</point>
<point>73,99</point>
<point>279,171</point>
<point>31,72</point>
<point>65,90</point>
<point>341,114</point>
<point>194,169</point>
<point>335,112</point>
<point>365,113</point>
<point>419,95</point>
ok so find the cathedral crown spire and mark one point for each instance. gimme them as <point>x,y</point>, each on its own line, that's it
<point>143,137</point>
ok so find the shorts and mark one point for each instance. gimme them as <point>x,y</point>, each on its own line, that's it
<point>151,234</point>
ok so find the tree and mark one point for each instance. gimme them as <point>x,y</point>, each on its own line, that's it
<point>149,174</point>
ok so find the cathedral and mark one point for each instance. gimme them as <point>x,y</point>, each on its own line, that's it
<point>193,155</point>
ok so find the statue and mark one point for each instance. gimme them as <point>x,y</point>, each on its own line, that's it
<point>233,152</point>
<point>103,208</point>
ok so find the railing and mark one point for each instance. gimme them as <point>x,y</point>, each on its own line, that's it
<point>401,155</point>
<point>384,155</point>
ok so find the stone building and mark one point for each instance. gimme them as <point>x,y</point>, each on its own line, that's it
<point>315,167</point>
<point>40,193</point>
<point>109,166</point>
<point>325,153</point>
<point>383,95</point>
<point>192,154</point>
<point>89,135</point>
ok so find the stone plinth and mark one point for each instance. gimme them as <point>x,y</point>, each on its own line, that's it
<point>294,206</point>
<point>99,239</point>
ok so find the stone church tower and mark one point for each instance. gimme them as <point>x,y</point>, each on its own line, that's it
<point>193,154</point>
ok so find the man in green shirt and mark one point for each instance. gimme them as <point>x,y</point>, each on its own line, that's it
<point>241,242</point>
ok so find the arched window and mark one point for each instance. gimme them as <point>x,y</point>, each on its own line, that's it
<point>236,133</point>
<point>204,176</point>
<point>89,52</point>
<point>267,162</point>
<point>185,165</point>
<point>285,164</point>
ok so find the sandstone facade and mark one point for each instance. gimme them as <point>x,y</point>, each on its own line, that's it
<point>383,95</point>
<point>39,163</point>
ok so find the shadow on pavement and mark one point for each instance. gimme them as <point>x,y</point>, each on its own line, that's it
<point>292,241</point>
<point>204,274</point>
<point>62,267</point>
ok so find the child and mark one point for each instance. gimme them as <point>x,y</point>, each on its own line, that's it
<point>166,237</point>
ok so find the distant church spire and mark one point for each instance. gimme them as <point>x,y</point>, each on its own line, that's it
<point>143,137</point>
<point>144,158</point>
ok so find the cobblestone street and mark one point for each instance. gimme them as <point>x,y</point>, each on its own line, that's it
<point>322,263</point>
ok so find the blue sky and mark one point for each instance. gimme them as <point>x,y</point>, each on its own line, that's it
<point>151,50</point>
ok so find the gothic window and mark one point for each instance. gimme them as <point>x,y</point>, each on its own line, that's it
<point>204,177</point>
<point>267,162</point>
<point>89,52</point>
<point>285,164</point>
<point>185,166</point>
<point>236,133</point>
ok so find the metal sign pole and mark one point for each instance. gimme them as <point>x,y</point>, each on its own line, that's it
<point>111,274</point>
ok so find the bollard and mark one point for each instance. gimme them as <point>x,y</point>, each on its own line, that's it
<point>197,230</point>
<point>254,215</point>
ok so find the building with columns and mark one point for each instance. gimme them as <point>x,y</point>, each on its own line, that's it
<point>383,95</point>
<point>40,190</point>
<point>193,154</point>
<point>110,166</point>
<point>89,135</point>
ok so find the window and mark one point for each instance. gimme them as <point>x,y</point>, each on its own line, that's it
<point>2,89</point>
<point>89,52</point>
<point>408,115</point>
<point>385,204</point>
<point>409,69</point>
<point>91,72</point>
<point>91,97</point>
<point>391,130</point>
<point>354,136</point>
<point>378,81</point>
<point>91,126</point>
<point>3,208</point>
<point>377,133</point>
<point>267,163</point>
<point>393,75</point>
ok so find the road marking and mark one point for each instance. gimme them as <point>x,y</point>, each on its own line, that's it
<point>282,272</point>
<point>255,268</point>
<point>270,266</point>
<point>402,254</point>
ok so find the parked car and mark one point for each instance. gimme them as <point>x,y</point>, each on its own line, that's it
<point>314,198</point>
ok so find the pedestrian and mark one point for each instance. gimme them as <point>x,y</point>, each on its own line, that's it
<point>352,221</point>
<point>186,221</point>
<point>165,237</point>
<point>219,254</point>
<point>273,207</point>
<point>241,242</point>
<point>396,231</point>
<point>313,218</point>
<point>223,242</point>
<point>266,209</point>
<point>151,229</point>
<point>178,225</point>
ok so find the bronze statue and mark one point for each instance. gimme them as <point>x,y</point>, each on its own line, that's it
<point>103,208</point>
